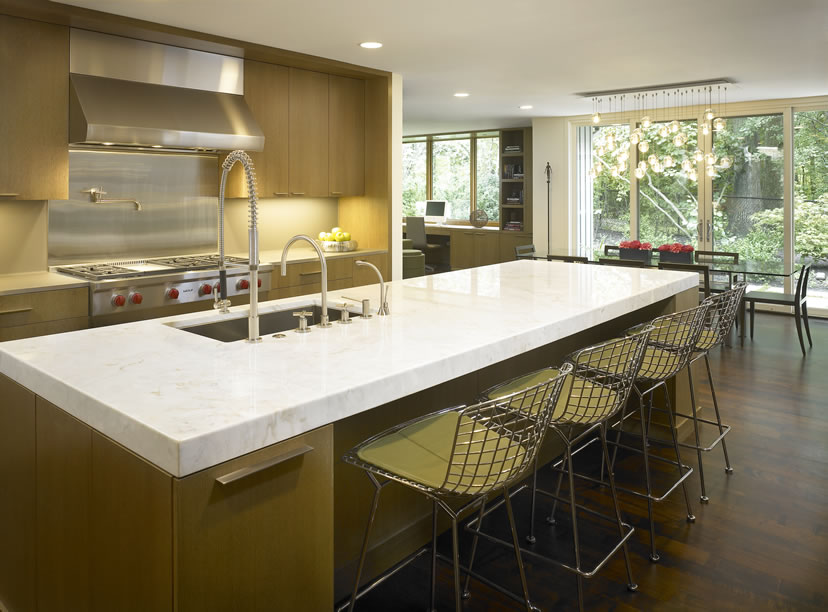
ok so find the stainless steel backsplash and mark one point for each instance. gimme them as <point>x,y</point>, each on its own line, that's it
<point>178,193</point>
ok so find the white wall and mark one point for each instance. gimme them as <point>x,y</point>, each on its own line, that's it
<point>550,143</point>
<point>396,175</point>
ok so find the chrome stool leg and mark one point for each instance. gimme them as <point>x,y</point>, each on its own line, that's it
<point>364,551</point>
<point>432,606</point>
<point>455,557</point>
<point>550,519</point>
<point>481,514</point>
<point>602,432</point>
<point>516,543</point>
<point>653,552</point>
<point>531,536</point>
<point>704,499</point>
<point>574,512</point>
<point>728,468</point>
<point>691,518</point>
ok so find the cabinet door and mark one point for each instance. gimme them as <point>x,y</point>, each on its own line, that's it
<point>34,98</point>
<point>308,133</point>
<point>256,533</point>
<point>17,496</point>
<point>461,250</point>
<point>346,164</point>
<point>363,275</point>
<point>508,242</point>
<point>486,248</point>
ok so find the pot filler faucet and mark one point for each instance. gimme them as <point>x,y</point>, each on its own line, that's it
<point>323,320</point>
<point>252,241</point>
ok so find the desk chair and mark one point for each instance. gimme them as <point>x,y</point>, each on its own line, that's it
<point>525,251</point>
<point>415,231</point>
<point>627,263</point>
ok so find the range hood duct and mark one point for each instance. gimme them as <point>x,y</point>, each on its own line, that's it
<point>129,113</point>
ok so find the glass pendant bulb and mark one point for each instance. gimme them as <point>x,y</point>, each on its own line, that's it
<point>596,169</point>
<point>719,124</point>
<point>646,121</point>
<point>596,118</point>
<point>652,160</point>
<point>621,166</point>
<point>642,165</point>
<point>668,161</point>
<point>664,130</point>
<point>658,167</point>
<point>710,159</point>
<point>686,165</point>
<point>624,145</point>
<point>674,126</point>
<point>643,146</point>
<point>610,142</point>
<point>698,155</point>
<point>711,171</point>
<point>708,114</point>
<point>725,162</point>
<point>614,172</point>
<point>639,173</point>
<point>705,128</point>
<point>623,156</point>
<point>693,175</point>
<point>634,138</point>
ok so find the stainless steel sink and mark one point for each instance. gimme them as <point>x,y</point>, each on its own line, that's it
<point>231,330</point>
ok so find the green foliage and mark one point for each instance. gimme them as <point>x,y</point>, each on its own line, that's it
<point>414,176</point>
<point>488,177</point>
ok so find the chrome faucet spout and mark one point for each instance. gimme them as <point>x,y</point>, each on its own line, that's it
<point>383,307</point>
<point>323,322</point>
<point>252,238</point>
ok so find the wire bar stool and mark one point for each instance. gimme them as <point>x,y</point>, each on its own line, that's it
<point>460,454</point>
<point>598,387</point>
<point>670,346</point>
<point>718,321</point>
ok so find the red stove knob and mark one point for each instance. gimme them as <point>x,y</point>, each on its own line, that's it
<point>136,298</point>
<point>259,284</point>
<point>118,300</point>
<point>206,289</point>
<point>243,284</point>
<point>172,293</point>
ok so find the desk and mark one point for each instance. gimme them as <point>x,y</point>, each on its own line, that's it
<point>471,247</point>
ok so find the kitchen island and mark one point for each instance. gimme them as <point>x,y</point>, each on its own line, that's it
<point>195,474</point>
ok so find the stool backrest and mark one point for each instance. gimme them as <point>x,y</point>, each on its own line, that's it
<point>415,230</point>
<point>721,313</point>
<point>497,440</point>
<point>525,251</point>
<point>602,378</point>
<point>672,342</point>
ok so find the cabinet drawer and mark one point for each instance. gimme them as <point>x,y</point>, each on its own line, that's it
<point>256,533</point>
<point>42,306</point>
<point>311,272</point>
<point>288,292</point>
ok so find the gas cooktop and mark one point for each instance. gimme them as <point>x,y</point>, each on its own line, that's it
<point>147,267</point>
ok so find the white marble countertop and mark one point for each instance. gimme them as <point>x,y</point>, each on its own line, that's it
<point>26,282</point>
<point>185,402</point>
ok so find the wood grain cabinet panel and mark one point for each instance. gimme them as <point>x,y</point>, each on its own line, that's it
<point>43,306</point>
<point>461,250</point>
<point>308,175</point>
<point>17,497</point>
<point>486,248</point>
<point>508,242</point>
<point>346,156</point>
<point>364,275</point>
<point>266,91</point>
<point>34,98</point>
<point>263,540</point>
<point>310,272</point>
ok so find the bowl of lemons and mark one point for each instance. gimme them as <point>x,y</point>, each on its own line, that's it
<point>336,241</point>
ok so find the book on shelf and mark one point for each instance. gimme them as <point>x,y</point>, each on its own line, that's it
<point>512,171</point>
<point>513,226</point>
<point>512,149</point>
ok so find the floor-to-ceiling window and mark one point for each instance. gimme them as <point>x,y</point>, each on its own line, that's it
<point>811,200</point>
<point>487,179</point>
<point>415,176</point>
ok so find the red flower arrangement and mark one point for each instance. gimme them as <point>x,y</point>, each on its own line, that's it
<point>635,244</point>
<point>676,247</point>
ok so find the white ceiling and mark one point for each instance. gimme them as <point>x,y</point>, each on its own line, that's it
<point>506,53</point>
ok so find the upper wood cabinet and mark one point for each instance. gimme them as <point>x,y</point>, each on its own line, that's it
<point>346,155</point>
<point>34,98</point>
<point>308,133</point>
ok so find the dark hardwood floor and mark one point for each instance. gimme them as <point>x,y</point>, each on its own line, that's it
<point>760,544</point>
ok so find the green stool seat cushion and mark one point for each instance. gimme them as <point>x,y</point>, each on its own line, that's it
<point>407,243</point>
<point>425,450</point>
<point>675,334</point>
<point>412,253</point>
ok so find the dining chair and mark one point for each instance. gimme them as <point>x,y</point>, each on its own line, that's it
<point>725,281</point>
<point>799,301</point>
<point>456,458</point>
<point>626,263</point>
<point>567,258</point>
<point>703,272</point>
<point>609,249</point>
<point>525,251</point>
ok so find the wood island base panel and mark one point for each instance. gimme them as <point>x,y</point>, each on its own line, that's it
<point>147,468</point>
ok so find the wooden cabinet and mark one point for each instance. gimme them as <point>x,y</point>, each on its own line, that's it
<point>346,150</point>
<point>310,272</point>
<point>508,242</point>
<point>363,275</point>
<point>17,496</point>
<point>36,313</point>
<point>256,533</point>
<point>34,98</point>
<point>308,174</point>
<point>470,249</point>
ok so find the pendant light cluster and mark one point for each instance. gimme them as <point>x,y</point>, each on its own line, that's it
<point>655,111</point>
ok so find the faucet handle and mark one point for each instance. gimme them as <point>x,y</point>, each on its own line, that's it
<point>346,316</point>
<point>303,321</point>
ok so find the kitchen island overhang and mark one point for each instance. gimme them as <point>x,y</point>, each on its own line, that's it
<point>186,403</point>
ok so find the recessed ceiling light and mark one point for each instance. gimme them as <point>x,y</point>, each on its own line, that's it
<point>108,144</point>
<point>526,107</point>
<point>461,94</point>
<point>370,45</point>
<point>157,146</point>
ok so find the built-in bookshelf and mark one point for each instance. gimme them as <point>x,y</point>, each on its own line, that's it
<point>516,180</point>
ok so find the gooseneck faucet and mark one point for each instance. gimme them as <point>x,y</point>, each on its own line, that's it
<point>252,239</point>
<point>383,307</point>
<point>323,320</point>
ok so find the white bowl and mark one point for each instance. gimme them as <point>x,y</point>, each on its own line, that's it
<point>331,246</point>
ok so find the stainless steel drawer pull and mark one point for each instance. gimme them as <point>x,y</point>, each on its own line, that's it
<point>336,193</point>
<point>280,193</point>
<point>297,193</point>
<point>15,311</point>
<point>259,467</point>
<point>9,195</point>
<point>310,273</point>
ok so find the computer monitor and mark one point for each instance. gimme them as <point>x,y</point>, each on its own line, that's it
<point>435,211</point>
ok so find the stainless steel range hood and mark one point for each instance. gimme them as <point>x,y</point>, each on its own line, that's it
<point>140,94</point>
